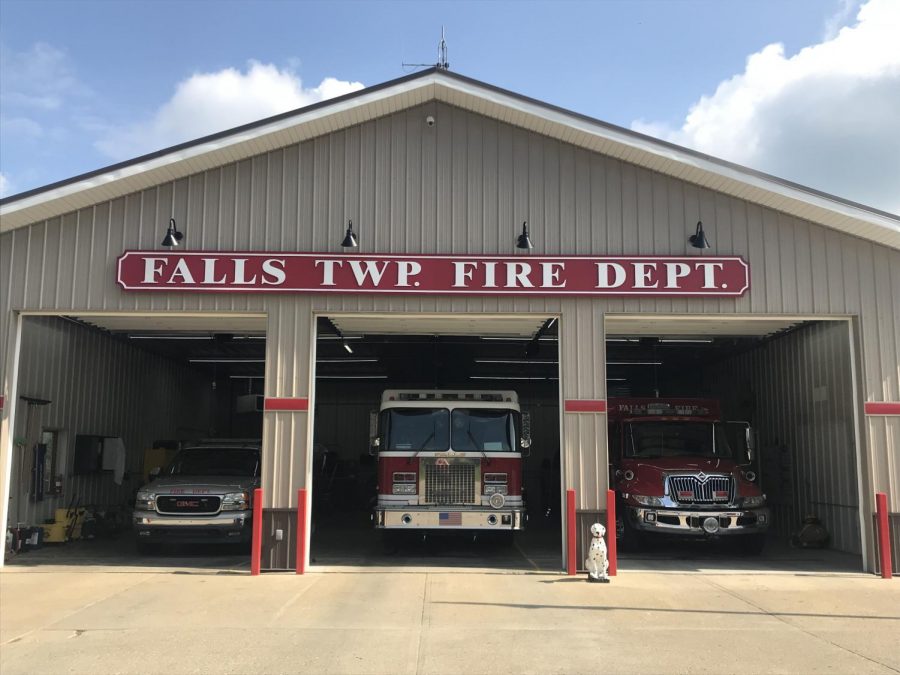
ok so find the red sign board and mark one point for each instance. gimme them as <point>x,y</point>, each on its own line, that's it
<point>432,274</point>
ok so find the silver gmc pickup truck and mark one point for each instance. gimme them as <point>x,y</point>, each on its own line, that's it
<point>203,496</point>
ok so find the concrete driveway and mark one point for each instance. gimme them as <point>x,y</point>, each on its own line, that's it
<point>58,619</point>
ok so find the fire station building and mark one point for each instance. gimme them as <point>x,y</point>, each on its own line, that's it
<point>438,232</point>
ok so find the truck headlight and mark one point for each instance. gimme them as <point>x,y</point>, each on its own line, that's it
<point>236,501</point>
<point>145,501</point>
<point>645,500</point>
<point>755,500</point>
<point>404,489</point>
<point>495,490</point>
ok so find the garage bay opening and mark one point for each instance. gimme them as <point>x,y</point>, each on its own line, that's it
<point>137,440</point>
<point>436,442</point>
<point>734,440</point>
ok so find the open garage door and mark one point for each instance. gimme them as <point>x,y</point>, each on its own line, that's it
<point>165,409</point>
<point>456,385</point>
<point>708,414</point>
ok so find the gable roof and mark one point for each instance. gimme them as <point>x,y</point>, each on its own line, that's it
<point>433,84</point>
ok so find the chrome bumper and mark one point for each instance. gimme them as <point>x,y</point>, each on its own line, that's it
<point>445,518</point>
<point>724,523</point>
<point>228,526</point>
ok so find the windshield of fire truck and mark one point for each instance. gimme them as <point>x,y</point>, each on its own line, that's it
<point>482,430</point>
<point>649,440</point>
<point>416,428</point>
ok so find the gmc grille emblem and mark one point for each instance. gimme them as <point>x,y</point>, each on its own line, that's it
<point>187,502</point>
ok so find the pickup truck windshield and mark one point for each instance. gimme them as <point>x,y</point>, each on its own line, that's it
<point>482,430</point>
<point>675,439</point>
<point>215,462</point>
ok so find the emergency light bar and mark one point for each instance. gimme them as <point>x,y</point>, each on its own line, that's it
<point>459,395</point>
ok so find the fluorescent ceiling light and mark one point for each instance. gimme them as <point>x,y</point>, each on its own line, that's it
<point>170,337</point>
<point>542,362</point>
<point>697,341</point>
<point>634,363</point>
<point>512,377</point>
<point>347,360</point>
<point>246,377</point>
<point>225,360</point>
<point>351,377</point>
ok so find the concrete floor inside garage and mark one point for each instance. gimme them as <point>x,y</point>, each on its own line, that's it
<point>791,380</point>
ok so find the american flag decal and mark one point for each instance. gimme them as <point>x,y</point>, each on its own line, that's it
<point>454,518</point>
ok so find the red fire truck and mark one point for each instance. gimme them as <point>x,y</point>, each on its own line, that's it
<point>450,460</point>
<point>678,469</point>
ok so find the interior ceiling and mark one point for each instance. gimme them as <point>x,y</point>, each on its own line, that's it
<point>398,324</point>
<point>696,327</point>
<point>144,324</point>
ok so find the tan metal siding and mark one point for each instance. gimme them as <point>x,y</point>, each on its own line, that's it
<point>462,186</point>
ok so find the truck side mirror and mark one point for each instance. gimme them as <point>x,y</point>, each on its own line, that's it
<point>525,441</point>
<point>374,441</point>
<point>154,472</point>
<point>751,446</point>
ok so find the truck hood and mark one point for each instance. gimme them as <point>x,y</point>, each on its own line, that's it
<point>649,474</point>
<point>203,484</point>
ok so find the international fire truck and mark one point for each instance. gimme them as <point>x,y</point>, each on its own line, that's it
<point>679,469</point>
<point>450,461</point>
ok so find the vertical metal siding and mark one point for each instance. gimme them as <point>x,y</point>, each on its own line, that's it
<point>801,394</point>
<point>463,186</point>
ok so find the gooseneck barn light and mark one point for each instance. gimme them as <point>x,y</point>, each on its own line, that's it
<point>173,236</point>
<point>698,239</point>
<point>350,238</point>
<point>524,241</point>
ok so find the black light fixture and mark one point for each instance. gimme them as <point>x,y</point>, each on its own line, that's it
<point>173,236</point>
<point>524,241</point>
<point>698,239</point>
<point>349,238</point>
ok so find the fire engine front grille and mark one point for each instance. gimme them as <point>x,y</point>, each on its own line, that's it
<point>449,482</point>
<point>701,489</point>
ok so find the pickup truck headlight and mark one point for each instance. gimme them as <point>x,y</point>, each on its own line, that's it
<point>145,501</point>
<point>645,500</point>
<point>756,500</point>
<point>236,501</point>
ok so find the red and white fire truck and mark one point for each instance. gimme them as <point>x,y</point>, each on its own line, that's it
<point>678,469</point>
<point>450,460</point>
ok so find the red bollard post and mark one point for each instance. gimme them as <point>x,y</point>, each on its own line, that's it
<point>611,531</point>
<point>256,542</point>
<point>301,531</point>
<point>571,567</point>
<point>884,534</point>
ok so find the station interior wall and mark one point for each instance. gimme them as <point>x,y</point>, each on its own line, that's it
<point>97,385</point>
<point>797,392</point>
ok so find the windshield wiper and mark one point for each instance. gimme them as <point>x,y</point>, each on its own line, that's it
<point>421,447</point>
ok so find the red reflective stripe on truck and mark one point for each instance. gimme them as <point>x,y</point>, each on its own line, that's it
<point>287,404</point>
<point>883,408</point>
<point>585,405</point>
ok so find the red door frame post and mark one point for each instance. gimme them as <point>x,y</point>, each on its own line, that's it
<point>256,542</point>
<point>301,531</point>
<point>571,567</point>
<point>884,534</point>
<point>611,532</point>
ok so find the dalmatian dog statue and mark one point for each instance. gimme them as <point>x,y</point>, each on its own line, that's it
<point>597,564</point>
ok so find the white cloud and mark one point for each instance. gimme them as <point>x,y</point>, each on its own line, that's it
<point>40,78</point>
<point>209,102</point>
<point>827,117</point>
<point>6,186</point>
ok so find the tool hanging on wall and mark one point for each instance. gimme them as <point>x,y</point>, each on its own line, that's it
<point>29,440</point>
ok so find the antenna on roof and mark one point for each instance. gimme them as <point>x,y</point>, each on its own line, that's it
<point>442,62</point>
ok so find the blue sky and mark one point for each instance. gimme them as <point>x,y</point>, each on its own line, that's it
<point>84,84</point>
